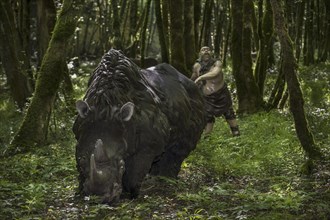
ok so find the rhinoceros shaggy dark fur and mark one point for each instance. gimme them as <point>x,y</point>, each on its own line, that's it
<point>132,122</point>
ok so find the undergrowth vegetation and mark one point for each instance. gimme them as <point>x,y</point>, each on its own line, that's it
<point>254,176</point>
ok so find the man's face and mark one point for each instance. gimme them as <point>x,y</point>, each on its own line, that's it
<point>205,53</point>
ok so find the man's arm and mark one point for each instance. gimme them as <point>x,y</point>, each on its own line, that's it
<point>195,72</point>
<point>215,71</point>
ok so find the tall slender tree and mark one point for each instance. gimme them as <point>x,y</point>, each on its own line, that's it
<point>296,98</point>
<point>326,42</point>
<point>197,15</point>
<point>205,37</point>
<point>116,38</point>
<point>161,33</point>
<point>16,74</point>
<point>46,18</point>
<point>143,30</point>
<point>299,27</point>
<point>189,34</point>
<point>177,58</point>
<point>249,99</point>
<point>265,36</point>
<point>309,35</point>
<point>165,19</point>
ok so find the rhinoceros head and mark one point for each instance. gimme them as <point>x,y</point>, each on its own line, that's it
<point>101,149</point>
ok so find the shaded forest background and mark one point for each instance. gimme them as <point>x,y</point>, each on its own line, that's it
<point>275,55</point>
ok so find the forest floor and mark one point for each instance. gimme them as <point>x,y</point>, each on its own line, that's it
<point>259,175</point>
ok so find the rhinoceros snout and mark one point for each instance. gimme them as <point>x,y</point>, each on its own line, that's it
<point>105,177</point>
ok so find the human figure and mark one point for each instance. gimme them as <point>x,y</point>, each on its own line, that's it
<point>208,75</point>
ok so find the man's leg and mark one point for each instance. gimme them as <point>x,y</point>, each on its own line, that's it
<point>208,128</point>
<point>231,120</point>
<point>233,127</point>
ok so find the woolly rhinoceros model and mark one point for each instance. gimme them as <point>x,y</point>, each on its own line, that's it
<point>132,122</point>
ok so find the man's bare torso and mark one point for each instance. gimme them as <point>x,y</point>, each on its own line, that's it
<point>215,82</point>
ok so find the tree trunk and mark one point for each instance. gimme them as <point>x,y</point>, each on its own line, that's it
<point>166,26</point>
<point>151,27</point>
<point>143,30</point>
<point>68,91</point>
<point>277,92</point>
<point>236,46</point>
<point>254,22</point>
<point>46,18</point>
<point>24,25</point>
<point>87,10</point>
<point>266,34</point>
<point>309,32</point>
<point>226,43</point>
<point>116,38</point>
<point>326,45</point>
<point>219,21</point>
<point>252,93</point>
<point>197,15</point>
<point>249,99</point>
<point>299,27</point>
<point>161,34</point>
<point>16,76</point>
<point>296,99</point>
<point>189,34</point>
<point>34,127</point>
<point>205,38</point>
<point>177,58</point>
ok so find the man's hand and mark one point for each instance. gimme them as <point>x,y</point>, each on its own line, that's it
<point>198,79</point>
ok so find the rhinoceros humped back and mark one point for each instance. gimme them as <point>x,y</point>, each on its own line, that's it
<point>133,122</point>
<point>114,80</point>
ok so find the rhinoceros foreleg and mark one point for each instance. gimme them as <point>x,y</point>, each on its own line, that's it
<point>170,163</point>
<point>137,167</point>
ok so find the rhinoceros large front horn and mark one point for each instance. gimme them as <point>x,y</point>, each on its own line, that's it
<point>99,156</point>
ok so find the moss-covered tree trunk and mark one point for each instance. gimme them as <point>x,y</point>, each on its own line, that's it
<point>16,75</point>
<point>46,18</point>
<point>161,34</point>
<point>177,58</point>
<point>189,34</point>
<point>296,99</point>
<point>34,127</point>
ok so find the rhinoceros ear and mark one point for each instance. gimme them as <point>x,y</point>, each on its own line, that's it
<point>82,108</point>
<point>127,111</point>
